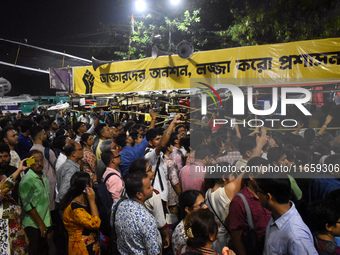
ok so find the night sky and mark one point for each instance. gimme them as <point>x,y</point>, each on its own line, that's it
<point>57,25</point>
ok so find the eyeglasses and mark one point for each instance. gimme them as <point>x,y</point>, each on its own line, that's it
<point>38,161</point>
<point>149,169</point>
<point>117,156</point>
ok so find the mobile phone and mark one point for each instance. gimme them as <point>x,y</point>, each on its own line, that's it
<point>30,161</point>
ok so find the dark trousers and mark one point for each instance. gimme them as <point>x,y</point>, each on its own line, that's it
<point>37,244</point>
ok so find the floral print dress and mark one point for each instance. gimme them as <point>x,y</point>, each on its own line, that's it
<point>12,211</point>
<point>89,162</point>
<point>82,230</point>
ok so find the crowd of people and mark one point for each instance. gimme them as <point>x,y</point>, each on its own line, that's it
<point>95,186</point>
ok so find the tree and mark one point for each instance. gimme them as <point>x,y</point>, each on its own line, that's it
<point>277,21</point>
<point>146,34</point>
<point>217,24</point>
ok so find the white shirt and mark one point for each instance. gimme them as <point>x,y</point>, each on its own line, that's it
<point>151,157</point>
<point>61,160</point>
<point>154,205</point>
<point>220,202</point>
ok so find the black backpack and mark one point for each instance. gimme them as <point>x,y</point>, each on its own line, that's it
<point>113,247</point>
<point>104,203</point>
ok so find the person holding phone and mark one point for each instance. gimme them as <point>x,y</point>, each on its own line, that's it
<point>34,194</point>
<point>81,216</point>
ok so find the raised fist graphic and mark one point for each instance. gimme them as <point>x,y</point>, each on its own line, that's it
<point>88,80</point>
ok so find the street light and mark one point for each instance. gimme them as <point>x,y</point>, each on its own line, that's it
<point>141,6</point>
<point>175,2</point>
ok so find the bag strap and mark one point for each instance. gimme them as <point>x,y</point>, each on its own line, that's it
<point>246,206</point>
<point>123,194</point>
<point>108,176</point>
<point>216,214</point>
<point>47,156</point>
<point>113,213</point>
<point>158,173</point>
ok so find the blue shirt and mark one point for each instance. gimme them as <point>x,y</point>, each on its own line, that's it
<point>136,229</point>
<point>24,147</point>
<point>130,153</point>
<point>322,185</point>
<point>288,235</point>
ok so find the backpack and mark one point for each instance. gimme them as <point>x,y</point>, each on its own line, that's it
<point>104,203</point>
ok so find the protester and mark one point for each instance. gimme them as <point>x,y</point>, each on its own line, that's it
<point>6,169</point>
<point>114,183</point>
<point>74,153</point>
<point>201,229</point>
<point>176,154</point>
<point>192,176</point>
<point>59,144</point>
<point>154,203</point>
<point>286,232</point>
<point>323,220</point>
<point>248,237</point>
<point>89,160</point>
<point>173,183</point>
<point>189,201</point>
<point>218,198</point>
<point>130,151</point>
<point>34,197</point>
<point>11,211</point>
<point>237,145</point>
<point>142,238</point>
<point>106,145</point>
<point>25,142</point>
<point>38,135</point>
<point>80,128</point>
<point>11,138</point>
<point>81,217</point>
<point>157,140</point>
<point>231,150</point>
<point>103,133</point>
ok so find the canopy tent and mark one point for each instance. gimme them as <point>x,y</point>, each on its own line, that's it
<point>304,63</point>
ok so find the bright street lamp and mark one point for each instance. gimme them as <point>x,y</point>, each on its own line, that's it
<point>140,5</point>
<point>175,2</point>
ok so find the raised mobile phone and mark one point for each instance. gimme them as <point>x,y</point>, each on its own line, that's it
<point>30,161</point>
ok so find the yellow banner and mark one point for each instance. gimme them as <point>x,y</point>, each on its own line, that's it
<point>317,59</point>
